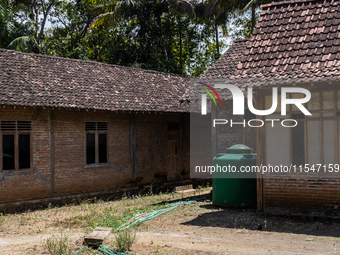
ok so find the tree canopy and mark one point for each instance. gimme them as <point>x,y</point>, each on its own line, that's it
<point>178,36</point>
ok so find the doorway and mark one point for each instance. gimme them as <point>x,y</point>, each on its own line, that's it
<point>173,173</point>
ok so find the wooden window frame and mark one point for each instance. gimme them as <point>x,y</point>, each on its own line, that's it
<point>96,142</point>
<point>321,118</point>
<point>16,149</point>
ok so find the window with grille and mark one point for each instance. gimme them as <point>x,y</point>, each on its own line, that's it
<point>16,144</point>
<point>96,142</point>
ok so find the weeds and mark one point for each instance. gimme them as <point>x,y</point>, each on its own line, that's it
<point>125,239</point>
<point>150,193</point>
<point>199,188</point>
<point>58,245</point>
<point>2,222</point>
<point>105,217</point>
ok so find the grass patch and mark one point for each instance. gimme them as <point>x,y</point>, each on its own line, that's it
<point>58,245</point>
<point>125,239</point>
<point>106,218</point>
<point>2,222</point>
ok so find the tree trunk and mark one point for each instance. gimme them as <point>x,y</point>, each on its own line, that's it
<point>253,17</point>
<point>217,43</point>
<point>180,47</point>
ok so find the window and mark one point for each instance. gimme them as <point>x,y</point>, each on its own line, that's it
<point>298,144</point>
<point>16,145</point>
<point>315,139</point>
<point>96,142</point>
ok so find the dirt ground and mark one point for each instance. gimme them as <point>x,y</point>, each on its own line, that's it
<point>197,228</point>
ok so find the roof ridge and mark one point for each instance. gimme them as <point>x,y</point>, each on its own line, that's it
<point>287,2</point>
<point>89,61</point>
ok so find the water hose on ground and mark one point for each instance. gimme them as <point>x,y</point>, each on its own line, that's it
<point>139,218</point>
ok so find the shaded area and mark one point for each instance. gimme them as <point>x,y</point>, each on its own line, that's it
<point>213,216</point>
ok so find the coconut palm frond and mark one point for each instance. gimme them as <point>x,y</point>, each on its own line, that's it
<point>225,30</point>
<point>22,42</point>
<point>124,5</point>
<point>187,7</point>
<point>10,26</point>
<point>246,8</point>
<point>106,7</point>
<point>95,1</point>
<point>102,19</point>
<point>2,11</point>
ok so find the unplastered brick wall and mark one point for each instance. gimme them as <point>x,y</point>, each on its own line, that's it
<point>302,192</point>
<point>151,140</point>
<point>35,182</point>
<point>71,174</point>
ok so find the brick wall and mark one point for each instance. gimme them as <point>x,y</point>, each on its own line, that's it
<point>36,182</point>
<point>308,192</point>
<point>71,175</point>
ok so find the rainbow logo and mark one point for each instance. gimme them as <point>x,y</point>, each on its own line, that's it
<point>208,92</point>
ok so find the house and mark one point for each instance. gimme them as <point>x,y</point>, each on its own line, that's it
<point>222,69</point>
<point>72,129</point>
<point>295,44</point>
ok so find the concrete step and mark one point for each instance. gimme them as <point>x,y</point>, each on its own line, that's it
<point>183,187</point>
<point>195,191</point>
<point>186,191</point>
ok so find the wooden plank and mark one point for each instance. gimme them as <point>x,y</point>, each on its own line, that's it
<point>97,237</point>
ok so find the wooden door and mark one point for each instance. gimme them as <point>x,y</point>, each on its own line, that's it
<point>173,146</point>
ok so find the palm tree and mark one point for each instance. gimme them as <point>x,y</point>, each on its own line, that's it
<point>112,11</point>
<point>221,11</point>
<point>117,10</point>
<point>28,34</point>
<point>12,33</point>
<point>230,7</point>
<point>162,9</point>
<point>7,24</point>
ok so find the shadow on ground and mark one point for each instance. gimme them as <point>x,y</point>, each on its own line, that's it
<point>250,219</point>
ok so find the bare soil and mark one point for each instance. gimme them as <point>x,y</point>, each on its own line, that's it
<point>197,228</point>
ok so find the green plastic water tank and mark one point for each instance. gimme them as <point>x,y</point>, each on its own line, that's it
<point>234,188</point>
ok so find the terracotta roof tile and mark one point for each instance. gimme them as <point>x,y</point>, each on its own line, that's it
<point>40,80</point>
<point>227,63</point>
<point>293,41</point>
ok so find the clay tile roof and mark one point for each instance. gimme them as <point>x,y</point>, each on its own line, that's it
<point>226,65</point>
<point>293,41</point>
<point>40,80</point>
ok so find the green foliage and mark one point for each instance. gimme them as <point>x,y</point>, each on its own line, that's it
<point>125,239</point>
<point>178,36</point>
<point>150,193</point>
<point>240,26</point>
<point>22,43</point>
<point>106,217</point>
<point>2,222</point>
<point>58,245</point>
<point>124,33</point>
<point>10,25</point>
